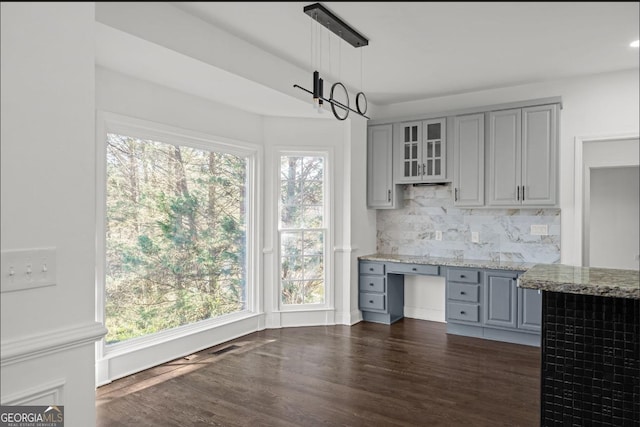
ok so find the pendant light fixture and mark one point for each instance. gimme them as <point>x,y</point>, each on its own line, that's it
<point>327,19</point>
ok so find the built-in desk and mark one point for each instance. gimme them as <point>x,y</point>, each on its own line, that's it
<point>482,299</point>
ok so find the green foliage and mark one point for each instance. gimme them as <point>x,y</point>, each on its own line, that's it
<point>175,236</point>
<point>301,224</point>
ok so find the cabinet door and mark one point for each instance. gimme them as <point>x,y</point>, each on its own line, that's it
<point>529,309</point>
<point>409,163</point>
<point>380,187</point>
<point>539,155</point>
<point>500,299</point>
<point>434,150</point>
<point>468,180</point>
<point>504,157</point>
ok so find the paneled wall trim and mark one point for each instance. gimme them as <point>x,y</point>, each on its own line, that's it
<point>40,345</point>
<point>52,393</point>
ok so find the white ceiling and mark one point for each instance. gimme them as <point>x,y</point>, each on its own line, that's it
<point>429,49</point>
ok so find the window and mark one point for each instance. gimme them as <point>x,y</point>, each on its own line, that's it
<point>176,233</point>
<point>302,229</point>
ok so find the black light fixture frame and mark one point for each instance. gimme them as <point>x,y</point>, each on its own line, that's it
<point>325,17</point>
<point>329,20</point>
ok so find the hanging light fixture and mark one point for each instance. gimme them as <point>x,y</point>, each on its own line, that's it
<point>326,18</point>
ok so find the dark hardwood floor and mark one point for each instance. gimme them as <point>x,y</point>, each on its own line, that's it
<point>409,374</point>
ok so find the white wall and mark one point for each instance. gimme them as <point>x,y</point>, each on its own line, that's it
<point>133,97</point>
<point>614,240</point>
<point>362,227</point>
<point>48,200</point>
<point>169,27</point>
<point>602,104</point>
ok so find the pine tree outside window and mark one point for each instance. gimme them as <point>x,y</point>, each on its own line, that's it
<point>302,209</point>
<point>175,235</point>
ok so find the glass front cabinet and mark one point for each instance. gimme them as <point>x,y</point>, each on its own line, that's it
<point>421,151</point>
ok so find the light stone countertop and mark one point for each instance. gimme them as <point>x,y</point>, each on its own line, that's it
<point>449,262</point>
<point>562,278</point>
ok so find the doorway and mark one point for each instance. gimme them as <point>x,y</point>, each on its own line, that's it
<point>611,204</point>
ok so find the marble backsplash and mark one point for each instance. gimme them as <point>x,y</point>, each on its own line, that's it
<point>504,234</point>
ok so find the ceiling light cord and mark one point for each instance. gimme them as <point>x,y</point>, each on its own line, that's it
<point>361,70</point>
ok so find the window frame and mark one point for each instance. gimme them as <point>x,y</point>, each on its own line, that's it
<point>115,123</point>
<point>328,226</point>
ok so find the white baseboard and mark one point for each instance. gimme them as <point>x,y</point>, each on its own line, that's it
<point>425,314</point>
<point>120,363</point>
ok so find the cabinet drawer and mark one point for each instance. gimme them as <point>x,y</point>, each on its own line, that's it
<point>463,292</point>
<point>460,311</point>
<point>371,268</point>
<point>430,270</point>
<point>371,301</point>
<point>466,276</point>
<point>372,283</point>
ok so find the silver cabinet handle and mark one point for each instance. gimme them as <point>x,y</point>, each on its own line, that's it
<point>455,197</point>
<point>523,193</point>
<point>423,169</point>
<point>389,196</point>
<point>518,192</point>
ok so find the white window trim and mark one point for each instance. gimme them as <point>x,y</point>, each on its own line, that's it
<point>107,122</point>
<point>327,154</point>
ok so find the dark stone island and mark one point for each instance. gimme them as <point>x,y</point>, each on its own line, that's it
<point>590,345</point>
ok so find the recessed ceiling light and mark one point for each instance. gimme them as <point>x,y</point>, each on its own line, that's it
<point>635,43</point>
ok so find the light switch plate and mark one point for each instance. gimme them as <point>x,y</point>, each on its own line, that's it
<point>27,269</point>
<point>438,235</point>
<point>475,237</point>
<point>539,230</point>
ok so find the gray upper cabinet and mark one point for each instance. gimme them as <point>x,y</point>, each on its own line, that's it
<point>539,155</point>
<point>408,152</point>
<point>381,192</point>
<point>522,157</point>
<point>468,147</point>
<point>505,157</point>
<point>420,151</point>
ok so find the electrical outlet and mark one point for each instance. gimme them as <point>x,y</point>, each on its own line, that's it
<point>475,237</point>
<point>26,269</point>
<point>539,230</point>
<point>438,235</point>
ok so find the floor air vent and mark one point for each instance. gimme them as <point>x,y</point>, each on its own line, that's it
<point>224,350</point>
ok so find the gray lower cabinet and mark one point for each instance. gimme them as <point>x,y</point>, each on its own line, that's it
<point>463,295</point>
<point>529,309</point>
<point>500,299</point>
<point>381,295</point>
<point>511,313</point>
<point>479,302</point>
<point>488,304</point>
